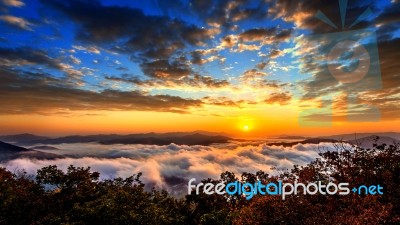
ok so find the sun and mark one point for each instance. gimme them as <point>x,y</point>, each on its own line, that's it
<point>246,125</point>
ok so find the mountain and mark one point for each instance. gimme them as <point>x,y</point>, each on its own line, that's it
<point>9,152</point>
<point>367,142</point>
<point>191,139</point>
<point>355,136</point>
<point>307,141</point>
<point>361,140</point>
<point>22,138</point>
<point>289,137</point>
<point>188,138</point>
<point>9,148</point>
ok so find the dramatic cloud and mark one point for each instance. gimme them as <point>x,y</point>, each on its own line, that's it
<point>219,48</point>
<point>25,93</point>
<point>143,35</point>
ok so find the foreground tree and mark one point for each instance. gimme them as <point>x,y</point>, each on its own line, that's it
<point>357,166</point>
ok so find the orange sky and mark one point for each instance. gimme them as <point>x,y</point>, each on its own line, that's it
<point>260,122</point>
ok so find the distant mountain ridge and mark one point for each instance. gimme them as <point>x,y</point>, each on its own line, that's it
<point>369,141</point>
<point>10,151</point>
<point>306,141</point>
<point>186,138</point>
<point>191,139</point>
<point>354,136</point>
<point>364,141</point>
<point>22,138</point>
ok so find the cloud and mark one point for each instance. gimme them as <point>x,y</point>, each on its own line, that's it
<point>23,92</point>
<point>90,49</point>
<point>256,34</point>
<point>280,98</point>
<point>191,82</point>
<point>275,53</point>
<point>75,60</point>
<point>245,47</point>
<point>198,57</point>
<point>150,37</point>
<point>23,56</point>
<point>13,3</point>
<point>166,69</point>
<point>253,74</point>
<point>320,83</point>
<point>224,101</point>
<point>225,13</point>
<point>246,40</point>
<point>265,35</point>
<point>261,65</point>
<point>228,41</point>
<point>26,56</point>
<point>171,166</point>
<point>17,22</point>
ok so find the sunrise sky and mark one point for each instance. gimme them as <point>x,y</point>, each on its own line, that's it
<point>243,67</point>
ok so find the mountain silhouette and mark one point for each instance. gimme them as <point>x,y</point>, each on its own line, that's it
<point>186,138</point>
<point>10,151</point>
<point>22,138</point>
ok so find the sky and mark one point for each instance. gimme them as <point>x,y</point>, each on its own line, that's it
<point>247,68</point>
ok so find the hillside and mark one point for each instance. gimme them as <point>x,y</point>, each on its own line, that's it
<point>9,152</point>
<point>367,142</point>
<point>187,138</point>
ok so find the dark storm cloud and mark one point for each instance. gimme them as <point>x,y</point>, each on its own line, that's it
<point>36,93</point>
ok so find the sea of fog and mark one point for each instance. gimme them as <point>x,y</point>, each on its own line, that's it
<point>171,166</point>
